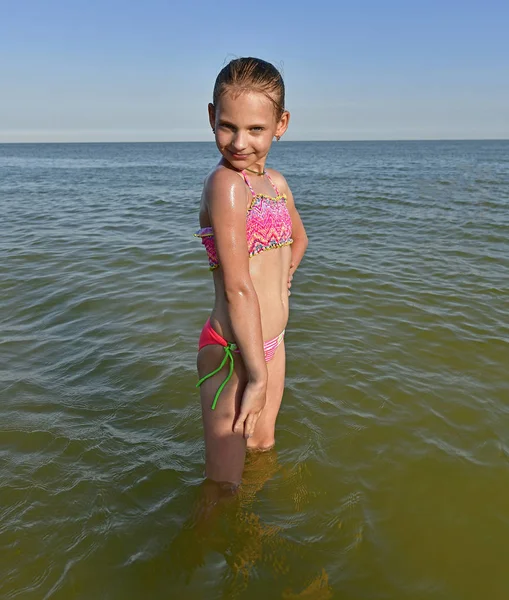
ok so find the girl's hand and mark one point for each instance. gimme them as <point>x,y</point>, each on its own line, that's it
<point>290,277</point>
<point>251,406</point>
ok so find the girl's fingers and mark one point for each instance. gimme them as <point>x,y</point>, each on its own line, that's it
<point>250,424</point>
<point>239,425</point>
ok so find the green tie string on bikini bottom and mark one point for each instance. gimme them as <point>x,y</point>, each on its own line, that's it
<point>227,355</point>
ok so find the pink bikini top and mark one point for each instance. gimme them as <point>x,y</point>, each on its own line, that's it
<point>268,225</point>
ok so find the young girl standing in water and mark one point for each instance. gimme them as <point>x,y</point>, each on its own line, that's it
<point>255,240</point>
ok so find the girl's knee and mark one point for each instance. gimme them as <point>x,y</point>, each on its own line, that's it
<point>261,444</point>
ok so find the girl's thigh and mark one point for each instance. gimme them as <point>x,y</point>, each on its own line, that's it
<point>225,451</point>
<point>264,434</point>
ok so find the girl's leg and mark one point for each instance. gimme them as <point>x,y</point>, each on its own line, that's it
<point>264,434</point>
<point>225,451</point>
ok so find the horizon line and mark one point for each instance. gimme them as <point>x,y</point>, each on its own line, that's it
<point>481,139</point>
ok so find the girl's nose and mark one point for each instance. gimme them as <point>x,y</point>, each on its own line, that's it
<point>239,141</point>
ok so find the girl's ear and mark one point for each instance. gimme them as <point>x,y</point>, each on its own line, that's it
<point>282,126</point>
<point>212,116</point>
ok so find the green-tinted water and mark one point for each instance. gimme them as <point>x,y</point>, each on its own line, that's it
<point>390,478</point>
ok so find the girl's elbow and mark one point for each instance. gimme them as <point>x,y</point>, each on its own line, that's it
<point>302,240</point>
<point>237,291</point>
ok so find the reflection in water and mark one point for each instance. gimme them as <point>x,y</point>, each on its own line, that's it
<point>223,521</point>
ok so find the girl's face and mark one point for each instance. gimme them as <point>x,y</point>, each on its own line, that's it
<point>245,125</point>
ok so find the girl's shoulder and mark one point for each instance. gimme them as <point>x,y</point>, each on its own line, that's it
<point>220,178</point>
<point>224,188</point>
<point>278,180</point>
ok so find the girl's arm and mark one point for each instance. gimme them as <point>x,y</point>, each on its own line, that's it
<point>227,207</point>
<point>300,238</point>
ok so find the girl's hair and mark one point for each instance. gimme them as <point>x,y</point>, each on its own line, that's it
<point>252,74</point>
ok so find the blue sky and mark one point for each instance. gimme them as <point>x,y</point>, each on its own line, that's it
<point>144,71</point>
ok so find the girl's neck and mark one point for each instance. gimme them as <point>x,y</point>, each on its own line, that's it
<point>259,173</point>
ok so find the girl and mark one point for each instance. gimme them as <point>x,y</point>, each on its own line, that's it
<point>255,240</point>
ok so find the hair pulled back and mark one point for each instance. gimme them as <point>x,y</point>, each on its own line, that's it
<point>252,74</point>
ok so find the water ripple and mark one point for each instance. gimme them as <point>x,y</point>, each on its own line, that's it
<point>392,436</point>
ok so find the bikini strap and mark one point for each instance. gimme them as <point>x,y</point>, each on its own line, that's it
<point>248,183</point>
<point>272,183</point>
